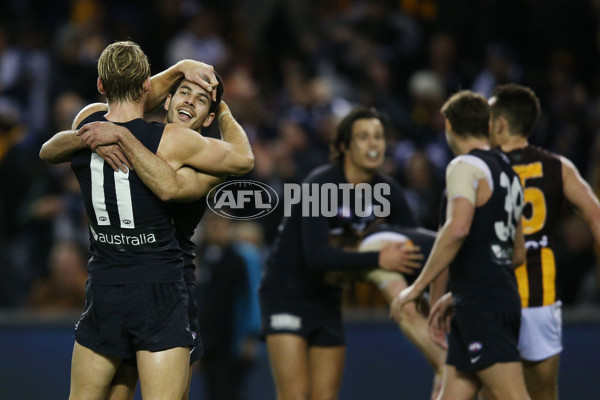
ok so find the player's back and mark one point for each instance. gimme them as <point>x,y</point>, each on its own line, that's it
<point>132,238</point>
<point>481,274</point>
<point>540,172</point>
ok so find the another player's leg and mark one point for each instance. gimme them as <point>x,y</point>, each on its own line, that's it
<point>457,385</point>
<point>288,356</point>
<point>540,344</point>
<point>91,374</point>
<point>163,374</point>
<point>326,371</point>
<point>124,382</point>
<point>541,378</point>
<point>504,381</point>
<point>186,395</point>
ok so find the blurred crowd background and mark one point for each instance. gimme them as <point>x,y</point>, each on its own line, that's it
<point>292,69</point>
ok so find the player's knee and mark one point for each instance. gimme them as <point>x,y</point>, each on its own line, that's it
<point>324,396</point>
<point>293,394</point>
<point>409,313</point>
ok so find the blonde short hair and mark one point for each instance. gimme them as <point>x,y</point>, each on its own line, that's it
<point>123,67</point>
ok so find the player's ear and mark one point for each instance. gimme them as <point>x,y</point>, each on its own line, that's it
<point>167,102</point>
<point>447,125</point>
<point>209,119</point>
<point>100,86</point>
<point>146,85</point>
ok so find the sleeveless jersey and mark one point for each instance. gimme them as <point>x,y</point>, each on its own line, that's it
<point>187,216</point>
<point>541,176</point>
<point>132,237</point>
<point>481,274</point>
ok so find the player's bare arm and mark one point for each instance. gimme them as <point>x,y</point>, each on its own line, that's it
<point>162,172</point>
<point>181,146</point>
<point>580,194</point>
<point>462,200</point>
<point>61,147</point>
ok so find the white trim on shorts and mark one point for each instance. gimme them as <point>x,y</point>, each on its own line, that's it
<point>541,332</point>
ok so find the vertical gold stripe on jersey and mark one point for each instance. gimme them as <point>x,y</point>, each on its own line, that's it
<point>548,276</point>
<point>523,284</point>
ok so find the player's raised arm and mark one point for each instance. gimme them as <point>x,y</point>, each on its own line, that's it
<point>197,72</point>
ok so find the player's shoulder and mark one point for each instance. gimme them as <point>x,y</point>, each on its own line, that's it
<point>331,172</point>
<point>88,111</point>
<point>544,153</point>
<point>467,159</point>
<point>178,134</point>
<point>381,177</point>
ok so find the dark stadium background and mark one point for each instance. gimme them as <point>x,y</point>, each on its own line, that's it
<point>292,69</point>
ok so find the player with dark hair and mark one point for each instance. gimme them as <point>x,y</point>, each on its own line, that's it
<point>548,180</point>
<point>480,242</point>
<point>136,298</point>
<point>300,306</point>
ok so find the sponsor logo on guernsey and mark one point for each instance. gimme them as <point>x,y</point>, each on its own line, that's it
<point>286,321</point>
<point>123,239</point>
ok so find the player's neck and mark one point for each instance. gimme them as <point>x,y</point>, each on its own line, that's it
<point>473,143</point>
<point>513,143</point>
<point>356,175</point>
<point>125,111</point>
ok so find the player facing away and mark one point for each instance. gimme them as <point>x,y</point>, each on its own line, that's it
<point>137,300</point>
<point>548,180</point>
<point>481,242</point>
<point>300,307</point>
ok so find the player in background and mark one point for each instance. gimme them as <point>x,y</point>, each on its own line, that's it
<point>481,241</point>
<point>301,308</point>
<point>117,264</point>
<point>548,180</point>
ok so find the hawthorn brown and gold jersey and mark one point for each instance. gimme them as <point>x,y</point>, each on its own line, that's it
<point>540,172</point>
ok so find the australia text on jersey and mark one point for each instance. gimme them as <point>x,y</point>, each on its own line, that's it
<point>252,199</point>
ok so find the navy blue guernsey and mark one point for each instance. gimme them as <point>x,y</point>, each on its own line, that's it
<point>187,216</point>
<point>307,247</point>
<point>482,273</point>
<point>132,237</point>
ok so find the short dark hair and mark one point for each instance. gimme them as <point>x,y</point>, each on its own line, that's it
<point>468,113</point>
<point>214,105</point>
<point>343,134</point>
<point>519,105</point>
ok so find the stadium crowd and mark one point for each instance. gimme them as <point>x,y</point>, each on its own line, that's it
<point>292,70</point>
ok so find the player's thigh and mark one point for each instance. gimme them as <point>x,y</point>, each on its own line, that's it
<point>541,377</point>
<point>163,374</point>
<point>458,385</point>
<point>504,381</point>
<point>91,373</point>
<point>288,356</point>
<point>326,365</point>
<point>124,382</point>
